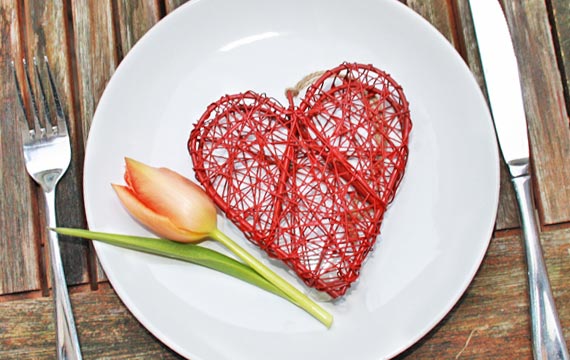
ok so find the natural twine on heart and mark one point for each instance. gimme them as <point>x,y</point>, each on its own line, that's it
<point>311,78</point>
<point>305,82</point>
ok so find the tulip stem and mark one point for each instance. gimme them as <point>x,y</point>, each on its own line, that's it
<point>297,296</point>
<point>180,251</point>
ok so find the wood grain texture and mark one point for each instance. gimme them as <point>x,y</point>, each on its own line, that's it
<point>170,5</point>
<point>46,35</point>
<point>491,321</point>
<point>545,106</point>
<point>439,14</point>
<point>106,329</point>
<point>19,251</point>
<point>134,19</point>
<point>561,27</point>
<point>95,54</point>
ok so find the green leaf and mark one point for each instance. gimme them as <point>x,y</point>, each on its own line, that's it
<point>186,252</point>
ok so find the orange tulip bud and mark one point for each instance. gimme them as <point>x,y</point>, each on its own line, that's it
<point>167,203</point>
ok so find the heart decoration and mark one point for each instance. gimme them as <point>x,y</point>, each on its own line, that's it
<point>309,184</point>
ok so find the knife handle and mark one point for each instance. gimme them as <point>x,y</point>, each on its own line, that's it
<point>547,337</point>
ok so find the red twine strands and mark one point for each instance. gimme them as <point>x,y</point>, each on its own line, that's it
<point>308,184</point>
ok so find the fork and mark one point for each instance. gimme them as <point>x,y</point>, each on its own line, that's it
<point>47,154</point>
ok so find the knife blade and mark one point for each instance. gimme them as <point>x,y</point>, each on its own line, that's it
<point>502,80</point>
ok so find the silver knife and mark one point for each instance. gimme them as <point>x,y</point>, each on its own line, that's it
<point>505,97</point>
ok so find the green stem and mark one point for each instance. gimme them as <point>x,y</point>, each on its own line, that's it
<point>298,297</point>
<point>180,251</point>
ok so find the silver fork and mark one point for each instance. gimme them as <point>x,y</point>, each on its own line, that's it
<point>47,154</point>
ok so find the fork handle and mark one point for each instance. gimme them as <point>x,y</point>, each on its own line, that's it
<point>66,333</point>
<point>547,337</point>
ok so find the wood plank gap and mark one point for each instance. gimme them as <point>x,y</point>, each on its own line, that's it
<point>26,295</point>
<point>161,6</point>
<point>35,294</point>
<point>556,227</point>
<point>542,229</point>
<point>119,51</point>
<point>558,51</point>
<point>80,288</point>
<point>20,9</point>
<point>74,76</point>
<point>93,268</point>
<point>456,27</point>
<point>42,252</point>
<point>78,146</point>
<point>536,194</point>
<point>506,233</point>
<point>104,286</point>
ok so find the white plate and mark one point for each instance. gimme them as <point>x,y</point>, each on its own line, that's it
<point>434,236</point>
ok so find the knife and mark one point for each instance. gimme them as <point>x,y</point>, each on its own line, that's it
<point>506,102</point>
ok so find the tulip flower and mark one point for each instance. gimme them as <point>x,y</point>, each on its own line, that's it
<point>168,204</point>
<point>175,208</point>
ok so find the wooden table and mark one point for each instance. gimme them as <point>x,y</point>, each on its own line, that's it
<point>85,41</point>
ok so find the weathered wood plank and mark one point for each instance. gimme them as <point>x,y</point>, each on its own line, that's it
<point>106,329</point>
<point>170,5</point>
<point>95,57</point>
<point>18,249</point>
<point>491,321</point>
<point>135,18</point>
<point>95,54</point>
<point>46,34</point>
<point>545,106</point>
<point>561,26</point>
<point>439,14</point>
<point>507,215</point>
<point>507,212</point>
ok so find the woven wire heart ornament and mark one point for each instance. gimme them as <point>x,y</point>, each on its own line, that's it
<point>309,184</point>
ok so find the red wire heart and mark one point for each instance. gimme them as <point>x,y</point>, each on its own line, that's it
<point>308,184</point>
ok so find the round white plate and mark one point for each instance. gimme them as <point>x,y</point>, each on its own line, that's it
<point>434,235</point>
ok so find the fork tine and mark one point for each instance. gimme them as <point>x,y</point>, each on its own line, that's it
<point>21,97</point>
<point>43,98</point>
<point>35,110</point>
<point>61,123</point>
